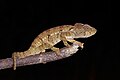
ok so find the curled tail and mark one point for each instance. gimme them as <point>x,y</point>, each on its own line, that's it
<point>29,52</point>
<point>17,55</point>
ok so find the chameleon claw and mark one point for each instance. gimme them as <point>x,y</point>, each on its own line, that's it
<point>82,45</point>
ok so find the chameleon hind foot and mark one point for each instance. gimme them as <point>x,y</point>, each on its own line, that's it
<point>56,50</point>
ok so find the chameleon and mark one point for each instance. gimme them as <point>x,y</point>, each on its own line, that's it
<point>48,38</point>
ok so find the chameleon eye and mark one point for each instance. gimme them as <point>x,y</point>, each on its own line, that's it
<point>79,24</point>
<point>71,29</point>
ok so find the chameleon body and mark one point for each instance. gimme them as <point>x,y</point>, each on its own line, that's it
<point>48,38</point>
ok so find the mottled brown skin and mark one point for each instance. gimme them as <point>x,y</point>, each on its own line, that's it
<point>50,37</point>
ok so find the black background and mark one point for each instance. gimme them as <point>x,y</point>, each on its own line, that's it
<point>21,22</point>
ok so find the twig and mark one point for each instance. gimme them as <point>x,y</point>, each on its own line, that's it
<point>40,58</point>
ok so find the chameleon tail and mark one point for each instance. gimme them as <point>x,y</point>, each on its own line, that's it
<point>17,55</point>
<point>29,52</point>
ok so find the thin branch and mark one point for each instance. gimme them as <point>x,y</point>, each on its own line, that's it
<point>39,58</point>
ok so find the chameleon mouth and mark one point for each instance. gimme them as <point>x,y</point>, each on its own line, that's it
<point>90,33</point>
<point>93,32</point>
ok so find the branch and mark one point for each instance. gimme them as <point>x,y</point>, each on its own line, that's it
<point>39,58</point>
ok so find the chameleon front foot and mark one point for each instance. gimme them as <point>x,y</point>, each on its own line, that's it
<point>79,44</point>
<point>76,42</point>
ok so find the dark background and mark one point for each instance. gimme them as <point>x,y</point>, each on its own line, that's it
<point>21,22</point>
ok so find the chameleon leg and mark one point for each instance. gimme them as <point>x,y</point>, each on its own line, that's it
<point>66,43</point>
<point>56,50</point>
<point>51,46</point>
<point>76,42</point>
<point>63,38</point>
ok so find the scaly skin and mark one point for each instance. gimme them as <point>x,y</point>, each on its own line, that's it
<point>50,37</point>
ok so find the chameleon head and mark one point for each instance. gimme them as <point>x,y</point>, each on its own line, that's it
<point>83,30</point>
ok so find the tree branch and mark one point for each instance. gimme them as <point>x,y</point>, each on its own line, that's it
<point>39,58</point>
